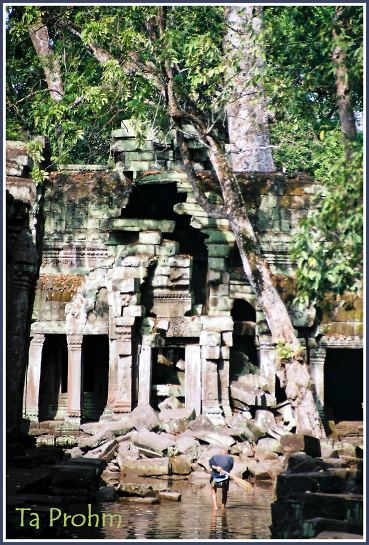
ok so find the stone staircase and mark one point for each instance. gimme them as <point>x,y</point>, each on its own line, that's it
<point>91,411</point>
<point>318,495</point>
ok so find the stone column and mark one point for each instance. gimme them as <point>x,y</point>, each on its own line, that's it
<point>74,393</point>
<point>32,389</point>
<point>223,370</point>
<point>123,399</point>
<point>19,289</point>
<point>193,378</point>
<point>267,361</point>
<point>144,372</point>
<point>317,359</point>
<point>112,381</point>
<point>210,388</point>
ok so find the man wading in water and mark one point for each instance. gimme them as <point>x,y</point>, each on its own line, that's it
<point>218,479</point>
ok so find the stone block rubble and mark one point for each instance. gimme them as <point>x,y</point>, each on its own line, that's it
<point>320,497</point>
<point>319,474</point>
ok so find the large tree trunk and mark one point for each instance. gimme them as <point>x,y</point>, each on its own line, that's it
<point>246,109</point>
<point>250,145</point>
<point>41,42</point>
<point>344,103</point>
<point>294,374</point>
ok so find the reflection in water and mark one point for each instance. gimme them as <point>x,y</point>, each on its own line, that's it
<point>218,525</point>
<point>247,516</point>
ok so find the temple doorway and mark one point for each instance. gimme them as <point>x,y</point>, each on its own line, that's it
<point>343,384</point>
<point>54,378</point>
<point>95,371</point>
<point>168,376</point>
<point>243,353</point>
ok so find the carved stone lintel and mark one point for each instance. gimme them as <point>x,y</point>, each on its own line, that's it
<point>341,341</point>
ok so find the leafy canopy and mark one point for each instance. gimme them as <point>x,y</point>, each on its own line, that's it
<point>298,79</point>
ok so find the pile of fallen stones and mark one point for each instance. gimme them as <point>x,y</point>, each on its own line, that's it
<point>145,449</point>
<point>145,455</point>
<point>175,444</point>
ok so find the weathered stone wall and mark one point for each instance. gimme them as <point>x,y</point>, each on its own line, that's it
<point>22,262</point>
<point>148,269</point>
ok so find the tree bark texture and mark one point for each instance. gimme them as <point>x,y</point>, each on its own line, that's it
<point>41,42</point>
<point>294,373</point>
<point>251,151</point>
<point>344,102</point>
<point>246,110</point>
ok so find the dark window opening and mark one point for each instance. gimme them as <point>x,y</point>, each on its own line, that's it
<point>54,375</point>
<point>136,341</point>
<point>168,379</point>
<point>234,259</point>
<point>191,242</point>
<point>242,311</point>
<point>343,384</point>
<point>122,238</point>
<point>243,357</point>
<point>95,371</point>
<point>153,201</point>
<point>147,290</point>
<point>280,393</point>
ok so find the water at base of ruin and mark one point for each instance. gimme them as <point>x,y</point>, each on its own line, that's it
<point>247,516</point>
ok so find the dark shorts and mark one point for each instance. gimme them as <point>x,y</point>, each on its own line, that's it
<point>222,484</point>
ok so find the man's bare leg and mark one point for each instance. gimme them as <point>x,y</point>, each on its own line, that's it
<point>224,496</point>
<point>214,497</point>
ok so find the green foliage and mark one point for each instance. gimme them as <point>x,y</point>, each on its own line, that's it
<point>285,353</point>
<point>35,150</point>
<point>300,82</point>
<point>298,78</point>
<point>106,93</point>
<point>329,243</point>
<point>304,127</point>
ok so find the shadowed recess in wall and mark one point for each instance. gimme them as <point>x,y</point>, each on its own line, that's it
<point>153,201</point>
<point>54,378</point>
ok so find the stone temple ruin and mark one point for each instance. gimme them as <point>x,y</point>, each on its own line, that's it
<point>141,297</point>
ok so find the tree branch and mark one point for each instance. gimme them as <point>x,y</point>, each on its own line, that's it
<point>132,65</point>
<point>178,116</point>
<point>36,92</point>
<point>39,35</point>
<point>213,211</point>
